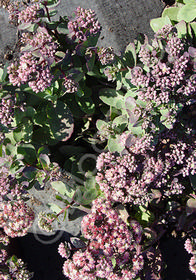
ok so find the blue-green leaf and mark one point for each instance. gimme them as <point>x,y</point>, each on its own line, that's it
<point>187,12</point>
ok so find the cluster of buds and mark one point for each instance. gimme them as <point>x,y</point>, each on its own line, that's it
<point>29,14</point>
<point>167,81</point>
<point>129,178</point>
<point>9,187</point>
<point>45,221</point>
<point>110,72</point>
<point>33,67</point>
<point>6,115</point>
<point>32,70</point>
<point>4,239</point>
<point>190,246</point>
<point>11,268</point>
<point>6,111</point>
<point>42,43</point>
<point>21,12</point>
<point>112,251</point>
<point>83,24</point>
<point>70,85</point>
<point>15,218</point>
<point>106,55</point>
<point>17,269</point>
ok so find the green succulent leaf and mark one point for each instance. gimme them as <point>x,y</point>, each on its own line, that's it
<point>181,28</point>
<point>193,28</point>
<point>158,23</point>
<point>24,131</point>
<point>31,27</point>
<point>191,204</point>
<point>28,151</point>
<point>63,188</point>
<point>187,12</point>
<point>108,95</point>
<point>3,72</point>
<point>62,28</point>
<point>112,97</point>
<point>60,120</point>
<point>130,57</point>
<point>54,208</point>
<point>114,144</point>
<point>193,181</point>
<point>171,12</point>
<point>189,1</point>
<point>44,160</point>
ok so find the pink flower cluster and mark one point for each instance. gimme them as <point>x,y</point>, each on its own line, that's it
<point>34,66</point>
<point>169,78</point>
<point>70,85</point>
<point>129,178</point>
<point>110,72</point>
<point>64,250</point>
<point>30,69</point>
<point>15,218</point>
<point>29,14</point>
<point>106,55</point>
<point>83,24</point>
<point>15,269</point>
<point>13,10</point>
<point>3,256</point>
<point>190,246</point>
<point>11,267</point>
<point>19,12</point>
<point>6,111</point>
<point>42,42</point>
<point>112,251</point>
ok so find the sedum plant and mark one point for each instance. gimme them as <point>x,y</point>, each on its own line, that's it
<point>157,82</point>
<point>53,98</point>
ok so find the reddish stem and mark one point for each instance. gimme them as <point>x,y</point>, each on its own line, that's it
<point>47,12</point>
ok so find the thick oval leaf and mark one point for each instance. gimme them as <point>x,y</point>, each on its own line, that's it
<point>62,188</point>
<point>193,28</point>
<point>89,196</point>
<point>158,23</point>
<point>187,12</point>
<point>54,208</point>
<point>44,160</point>
<point>121,122</point>
<point>28,151</point>
<point>102,125</point>
<point>114,145</point>
<point>193,181</point>
<point>171,12</point>
<point>24,131</point>
<point>107,95</point>
<point>60,120</point>
<point>181,28</point>
<point>130,55</point>
<point>62,28</point>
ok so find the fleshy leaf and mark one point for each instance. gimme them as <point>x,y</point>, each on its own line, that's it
<point>61,121</point>
<point>187,12</point>
<point>171,12</point>
<point>44,160</point>
<point>28,151</point>
<point>158,23</point>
